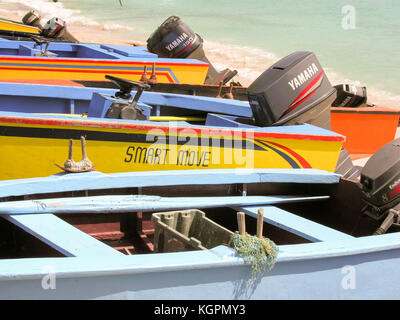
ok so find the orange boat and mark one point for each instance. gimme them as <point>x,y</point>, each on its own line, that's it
<point>367,129</point>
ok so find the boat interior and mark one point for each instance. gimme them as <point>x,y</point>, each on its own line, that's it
<point>125,104</point>
<point>300,206</point>
<point>39,46</point>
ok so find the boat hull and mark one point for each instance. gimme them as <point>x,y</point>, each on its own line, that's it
<point>367,129</point>
<point>308,272</point>
<point>33,144</point>
<point>9,25</point>
<point>91,62</point>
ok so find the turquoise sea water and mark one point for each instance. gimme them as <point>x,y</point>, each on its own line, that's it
<point>356,41</point>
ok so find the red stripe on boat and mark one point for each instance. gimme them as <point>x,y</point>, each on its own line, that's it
<point>298,157</point>
<point>166,128</point>
<point>87,71</point>
<point>74,60</point>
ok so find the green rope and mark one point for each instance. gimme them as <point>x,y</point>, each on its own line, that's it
<point>259,252</point>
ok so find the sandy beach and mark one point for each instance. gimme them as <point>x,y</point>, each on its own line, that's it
<point>84,33</point>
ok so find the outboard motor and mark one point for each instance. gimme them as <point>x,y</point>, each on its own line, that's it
<point>292,91</point>
<point>32,18</point>
<point>350,96</point>
<point>346,168</point>
<point>57,28</point>
<point>174,39</point>
<point>380,185</point>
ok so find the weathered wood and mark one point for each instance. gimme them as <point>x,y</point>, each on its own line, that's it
<point>95,180</point>
<point>241,223</point>
<point>121,204</point>
<point>260,222</point>
<point>290,222</point>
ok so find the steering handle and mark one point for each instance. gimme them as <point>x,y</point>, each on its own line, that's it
<point>126,86</point>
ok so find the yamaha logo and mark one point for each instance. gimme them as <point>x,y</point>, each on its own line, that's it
<point>302,77</point>
<point>177,42</point>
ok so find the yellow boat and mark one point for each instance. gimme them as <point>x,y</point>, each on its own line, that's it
<point>9,25</point>
<point>29,61</point>
<point>178,132</point>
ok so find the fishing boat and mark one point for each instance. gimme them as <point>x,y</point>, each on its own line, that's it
<point>24,60</point>
<point>101,236</point>
<point>14,26</point>
<point>149,131</point>
<point>86,62</point>
<point>367,127</point>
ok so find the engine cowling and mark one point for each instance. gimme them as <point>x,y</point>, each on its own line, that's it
<point>174,39</point>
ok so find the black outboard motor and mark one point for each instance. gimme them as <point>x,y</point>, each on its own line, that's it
<point>350,96</point>
<point>294,90</point>
<point>174,39</point>
<point>32,18</point>
<point>57,28</point>
<point>380,185</point>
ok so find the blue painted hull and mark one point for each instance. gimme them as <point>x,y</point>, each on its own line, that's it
<point>310,271</point>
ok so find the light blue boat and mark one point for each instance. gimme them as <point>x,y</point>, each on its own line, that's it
<point>326,246</point>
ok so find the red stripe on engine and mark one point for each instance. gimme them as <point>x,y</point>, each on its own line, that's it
<point>308,87</point>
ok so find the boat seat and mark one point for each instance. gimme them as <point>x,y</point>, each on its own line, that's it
<point>220,120</point>
<point>62,236</point>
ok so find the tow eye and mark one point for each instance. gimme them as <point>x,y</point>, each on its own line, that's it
<point>84,165</point>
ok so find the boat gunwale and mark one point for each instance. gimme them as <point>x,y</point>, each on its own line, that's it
<point>64,182</point>
<point>217,257</point>
<point>142,125</point>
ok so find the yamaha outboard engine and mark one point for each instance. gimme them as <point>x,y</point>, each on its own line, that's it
<point>56,28</point>
<point>32,18</point>
<point>350,96</point>
<point>380,185</point>
<point>294,90</point>
<point>174,39</point>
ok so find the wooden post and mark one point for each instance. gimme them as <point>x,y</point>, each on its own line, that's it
<point>219,90</point>
<point>260,222</point>
<point>241,223</point>
<point>71,143</point>
<point>83,143</point>
<point>229,94</point>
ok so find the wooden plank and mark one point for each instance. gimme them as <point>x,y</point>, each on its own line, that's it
<point>62,236</point>
<point>307,229</point>
<point>143,203</point>
<point>95,180</point>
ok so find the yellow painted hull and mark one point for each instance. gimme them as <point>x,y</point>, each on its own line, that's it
<point>19,27</point>
<point>30,147</point>
<point>17,68</point>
